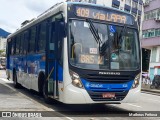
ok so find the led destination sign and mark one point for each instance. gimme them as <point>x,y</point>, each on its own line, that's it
<point>105,15</point>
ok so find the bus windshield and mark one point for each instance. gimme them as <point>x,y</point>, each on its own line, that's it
<point>119,49</point>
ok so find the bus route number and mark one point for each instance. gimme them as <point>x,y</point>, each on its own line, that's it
<point>83,12</point>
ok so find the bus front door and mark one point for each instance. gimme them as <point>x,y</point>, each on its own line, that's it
<point>54,62</point>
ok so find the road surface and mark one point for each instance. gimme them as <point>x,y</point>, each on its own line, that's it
<point>25,100</point>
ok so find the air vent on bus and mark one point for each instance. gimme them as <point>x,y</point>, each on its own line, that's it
<point>108,78</point>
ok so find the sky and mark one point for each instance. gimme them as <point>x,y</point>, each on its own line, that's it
<point>14,12</point>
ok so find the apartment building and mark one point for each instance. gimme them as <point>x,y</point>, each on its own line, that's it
<point>3,42</point>
<point>151,34</point>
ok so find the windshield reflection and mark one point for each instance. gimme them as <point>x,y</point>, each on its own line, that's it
<point>118,51</point>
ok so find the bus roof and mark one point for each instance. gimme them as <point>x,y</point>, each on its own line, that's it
<point>56,8</point>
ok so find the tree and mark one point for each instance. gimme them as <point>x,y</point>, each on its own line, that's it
<point>2,53</point>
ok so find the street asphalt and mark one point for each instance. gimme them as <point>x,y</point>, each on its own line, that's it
<point>23,100</point>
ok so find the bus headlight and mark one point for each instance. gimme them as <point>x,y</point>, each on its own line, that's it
<point>76,79</point>
<point>136,81</point>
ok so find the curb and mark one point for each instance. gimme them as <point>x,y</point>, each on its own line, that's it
<point>151,91</point>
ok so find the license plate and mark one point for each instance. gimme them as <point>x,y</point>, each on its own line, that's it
<point>108,95</point>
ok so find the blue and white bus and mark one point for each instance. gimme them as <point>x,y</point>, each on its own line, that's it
<point>78,53</point>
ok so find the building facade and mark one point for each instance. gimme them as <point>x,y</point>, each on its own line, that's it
<point>3,42</point>
<point>151,34</point>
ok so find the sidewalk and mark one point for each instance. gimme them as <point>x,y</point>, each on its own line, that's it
<point>146,87</point>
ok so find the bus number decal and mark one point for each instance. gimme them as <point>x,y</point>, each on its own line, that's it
<point>82,12</point>
<point>87,59</point>
<point>104,15</point>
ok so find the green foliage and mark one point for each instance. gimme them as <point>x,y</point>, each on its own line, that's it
<point>2,53</point>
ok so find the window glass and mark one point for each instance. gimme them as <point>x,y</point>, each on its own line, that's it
<point>128,2</point>
<point>151,33</point>
<point>17,44</point>
<point>13,46</point>
<point>134,4</point>
<point>140,7</point>
<point>32,40</point>
<point>115,6</point>
<point>154,52</point>
<point>25,45</point>
<point>118,49</point>
<point>21,43</point>
<point>9,45</point>
<point>152,14</point>
<point>146,34</point>
<point>158,13</point>
<point>42,37</point>
<point>157,32</point>
<point>143,34</point>
<point>145,17</point>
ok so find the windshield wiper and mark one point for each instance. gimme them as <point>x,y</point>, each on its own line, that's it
<point>122,33</point>
<point>117,38</point>
<point>94,31</point>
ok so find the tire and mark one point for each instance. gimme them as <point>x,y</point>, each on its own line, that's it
<point>152,87</point>
<point>45,96</point>
<point>16,84</point>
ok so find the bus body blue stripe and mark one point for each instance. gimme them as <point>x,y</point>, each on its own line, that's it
<point>107,87</point>
<point>60,73</point>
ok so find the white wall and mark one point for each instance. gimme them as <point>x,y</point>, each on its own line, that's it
<point>107,3</point>
<point>3,43</point>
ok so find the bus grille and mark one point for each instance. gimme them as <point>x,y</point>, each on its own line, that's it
<point>108,79</point>
<point>97,96</point>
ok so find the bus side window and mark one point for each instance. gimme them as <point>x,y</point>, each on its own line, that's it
<point>25,45</point>
<point>13,46</point>
<point>8,47</point>
<point>52,45</point>
<point>21,43</point>
<point>17,44</point>
<point>32,40</point>
<point>42,37</point>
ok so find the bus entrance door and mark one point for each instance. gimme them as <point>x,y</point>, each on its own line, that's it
<point>54,58</point>
<point>51,60</point>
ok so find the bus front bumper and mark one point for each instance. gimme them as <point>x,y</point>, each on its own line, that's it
<point>75,95</point>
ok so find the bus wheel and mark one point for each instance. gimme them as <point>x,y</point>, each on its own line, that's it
<point>45,96</point>
<point>16,84</point>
